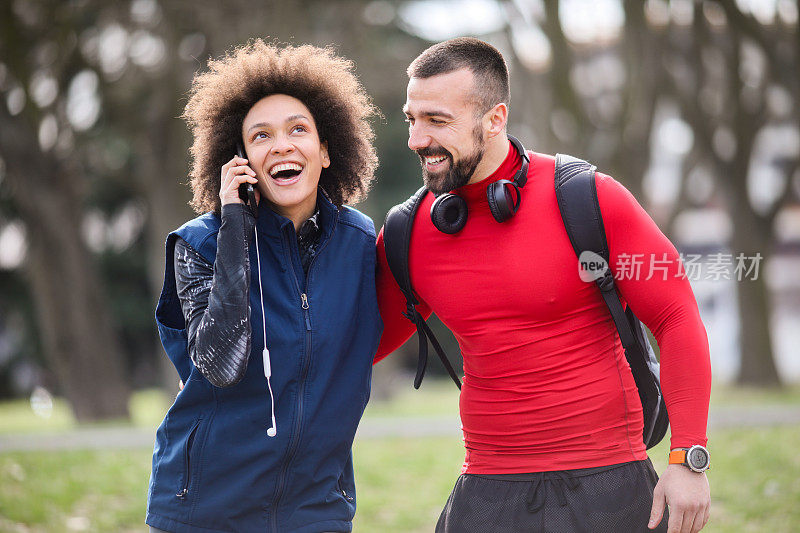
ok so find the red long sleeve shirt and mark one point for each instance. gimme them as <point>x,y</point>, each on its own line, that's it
<point>546,384</point>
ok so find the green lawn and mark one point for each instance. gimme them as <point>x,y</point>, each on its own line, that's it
<point>147,408</point>
<point>402,482</point>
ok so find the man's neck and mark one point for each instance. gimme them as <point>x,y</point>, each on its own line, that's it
<point>493,157</point>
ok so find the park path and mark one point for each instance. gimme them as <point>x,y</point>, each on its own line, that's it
<point>370,428</point>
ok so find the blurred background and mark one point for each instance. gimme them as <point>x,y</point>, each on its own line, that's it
<point>692,104</point>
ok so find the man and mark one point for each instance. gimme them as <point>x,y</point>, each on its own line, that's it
<point>551,418</point>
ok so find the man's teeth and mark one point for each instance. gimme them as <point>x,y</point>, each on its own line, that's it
<point>283,167</point>
<point>435,160</point>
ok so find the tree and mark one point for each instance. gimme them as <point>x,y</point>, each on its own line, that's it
<point>46,184</point>
<point>139,57</point>
<point>724,69</point>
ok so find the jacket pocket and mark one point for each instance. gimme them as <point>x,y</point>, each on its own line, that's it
<point>341,489</point>
<point>345,503</point>
<point>183,490</point>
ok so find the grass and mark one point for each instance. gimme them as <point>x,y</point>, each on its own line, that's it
<point>750,396</point>
<point>754,480</point>
<point>73,491</point>
<point>434,398</point>
<point>17,417</point>
<point>402,482</point>
<point>147,408</point>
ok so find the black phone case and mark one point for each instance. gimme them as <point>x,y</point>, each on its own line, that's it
<point>246,191</point>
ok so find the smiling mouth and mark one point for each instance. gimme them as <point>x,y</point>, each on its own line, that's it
<point>433,162</point>
<point>285,173</point>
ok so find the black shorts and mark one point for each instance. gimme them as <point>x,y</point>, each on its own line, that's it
<point>615,498</point>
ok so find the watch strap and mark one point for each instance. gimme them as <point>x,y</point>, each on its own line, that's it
<point>677,456</point>
<point>682,456</point>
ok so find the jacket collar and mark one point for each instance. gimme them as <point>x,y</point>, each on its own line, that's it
<point>270,222</point>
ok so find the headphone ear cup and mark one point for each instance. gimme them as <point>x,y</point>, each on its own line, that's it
<point>500,202</point>
<point>449,213</point>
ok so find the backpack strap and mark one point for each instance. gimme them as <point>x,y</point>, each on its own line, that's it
<point>397,240</point>
<point>576,192</point>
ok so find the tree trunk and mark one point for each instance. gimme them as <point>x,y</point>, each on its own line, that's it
<point>630,159</point>
<point>73,312</point>
<point>78,337</point>
<point>758,367</point>
<point>162,181</point>
<point>750,234</point>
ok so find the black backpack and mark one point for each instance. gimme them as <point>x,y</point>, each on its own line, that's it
<point>577,201</point>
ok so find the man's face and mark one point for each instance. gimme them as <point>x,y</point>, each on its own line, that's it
<point>445,128</point>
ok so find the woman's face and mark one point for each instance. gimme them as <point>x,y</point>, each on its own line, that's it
<point>284,150</point>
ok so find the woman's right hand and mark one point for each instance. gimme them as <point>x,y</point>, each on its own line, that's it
<point>234,173</point>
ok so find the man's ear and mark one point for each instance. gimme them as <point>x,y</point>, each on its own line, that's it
<point>323,148</point>
<point>495,120</point>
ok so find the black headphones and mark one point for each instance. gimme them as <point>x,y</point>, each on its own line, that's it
<point>449,211</point>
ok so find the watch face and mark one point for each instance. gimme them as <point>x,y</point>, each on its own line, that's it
<point>698,458</point>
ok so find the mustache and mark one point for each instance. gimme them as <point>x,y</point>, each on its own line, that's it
<point>433,152</point>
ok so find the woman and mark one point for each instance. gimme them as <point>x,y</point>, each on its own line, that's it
<point>270,316</point>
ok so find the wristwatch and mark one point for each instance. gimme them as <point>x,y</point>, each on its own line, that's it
<point>695,458</point>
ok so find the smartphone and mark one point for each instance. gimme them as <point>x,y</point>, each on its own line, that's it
<point>246,191</point>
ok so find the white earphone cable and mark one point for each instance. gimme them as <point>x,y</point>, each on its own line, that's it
<point>272,431</point>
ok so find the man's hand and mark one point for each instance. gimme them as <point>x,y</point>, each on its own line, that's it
<point>688,496</point>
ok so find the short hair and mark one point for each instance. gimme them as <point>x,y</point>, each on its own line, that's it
<point>484,61</point>
<point>221,97</point>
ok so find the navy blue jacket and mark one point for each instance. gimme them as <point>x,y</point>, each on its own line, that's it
<point>214,467</point>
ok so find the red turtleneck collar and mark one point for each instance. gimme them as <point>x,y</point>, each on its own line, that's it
<point>477,191</point>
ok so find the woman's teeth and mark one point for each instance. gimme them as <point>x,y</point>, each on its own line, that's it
<point>285,170</point>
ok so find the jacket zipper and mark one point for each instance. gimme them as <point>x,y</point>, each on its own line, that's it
<point>296,436</point>
<point>303,375</point>
<point>293,445</point>
<point>186,452</point>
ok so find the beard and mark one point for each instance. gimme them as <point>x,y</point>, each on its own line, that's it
<point>459,172</point>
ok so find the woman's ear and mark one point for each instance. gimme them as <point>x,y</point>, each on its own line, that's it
<point>326,160</point>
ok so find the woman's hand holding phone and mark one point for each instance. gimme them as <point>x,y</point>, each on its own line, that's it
<point>234,174</point>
